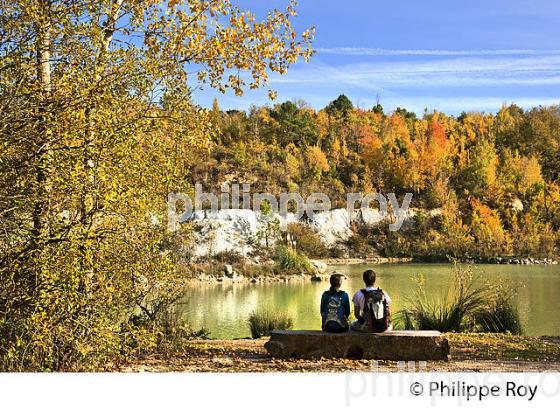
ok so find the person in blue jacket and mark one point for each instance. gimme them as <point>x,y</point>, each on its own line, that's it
<point>335,307</point>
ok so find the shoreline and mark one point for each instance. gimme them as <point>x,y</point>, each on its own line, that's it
<point>232,274</point>
<point>379,260</point>
<point>376,260</point>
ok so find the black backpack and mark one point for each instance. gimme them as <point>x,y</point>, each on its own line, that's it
<point>375,317</point>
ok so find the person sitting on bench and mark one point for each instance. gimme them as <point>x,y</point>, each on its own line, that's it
<point>335,307</point>
<point>371,307</point>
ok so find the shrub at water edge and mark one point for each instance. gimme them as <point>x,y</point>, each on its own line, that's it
<point>262,322</point>
<point>468,304</point>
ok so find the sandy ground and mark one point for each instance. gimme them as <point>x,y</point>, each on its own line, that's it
<point>468,354</point>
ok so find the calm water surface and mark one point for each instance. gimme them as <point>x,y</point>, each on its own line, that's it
<point>223,309</point>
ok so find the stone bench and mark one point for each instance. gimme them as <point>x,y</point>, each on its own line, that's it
<point>403,345</point>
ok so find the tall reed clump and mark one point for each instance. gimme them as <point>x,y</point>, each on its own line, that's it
<point>261,323</point>
<point>288,259</point>
<point>468,304</point>
<point>500,315</point>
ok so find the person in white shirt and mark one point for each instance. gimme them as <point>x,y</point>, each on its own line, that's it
<point>359,301</point>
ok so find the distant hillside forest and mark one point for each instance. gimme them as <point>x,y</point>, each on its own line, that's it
<point>494,177</point>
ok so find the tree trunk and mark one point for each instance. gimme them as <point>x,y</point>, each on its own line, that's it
<point>43,141</point>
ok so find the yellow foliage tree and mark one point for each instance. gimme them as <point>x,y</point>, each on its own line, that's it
<point>488,230</point>
<point>317,161</point>
<point>97,119</point>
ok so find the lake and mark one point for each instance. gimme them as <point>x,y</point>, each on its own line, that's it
<point>223,309</point>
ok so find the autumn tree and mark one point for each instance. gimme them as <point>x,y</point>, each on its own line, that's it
<point>317,162</point>
<point>480,173</point>
<point>97,127</point>
<point>488,231</point>
<point>541,131</point>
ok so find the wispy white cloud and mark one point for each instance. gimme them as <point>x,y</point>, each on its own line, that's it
<point>450,81</point>
<point>364,51</point>
<point>455,72</point>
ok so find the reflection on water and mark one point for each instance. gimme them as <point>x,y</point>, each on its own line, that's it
<point>223,309</point>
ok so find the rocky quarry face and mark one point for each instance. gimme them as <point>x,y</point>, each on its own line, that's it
<point>242,230</point>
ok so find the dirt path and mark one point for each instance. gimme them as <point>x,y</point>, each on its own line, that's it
<point>476,353</point>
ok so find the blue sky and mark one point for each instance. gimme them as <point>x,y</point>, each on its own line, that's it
<point>445,55</point>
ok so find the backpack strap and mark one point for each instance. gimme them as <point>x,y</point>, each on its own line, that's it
<point>384,299</point>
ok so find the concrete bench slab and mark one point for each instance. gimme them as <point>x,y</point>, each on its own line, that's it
<point>393,345</point>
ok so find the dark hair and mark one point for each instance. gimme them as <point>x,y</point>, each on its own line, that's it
<point>369,277</point>
<point>336,281</point>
